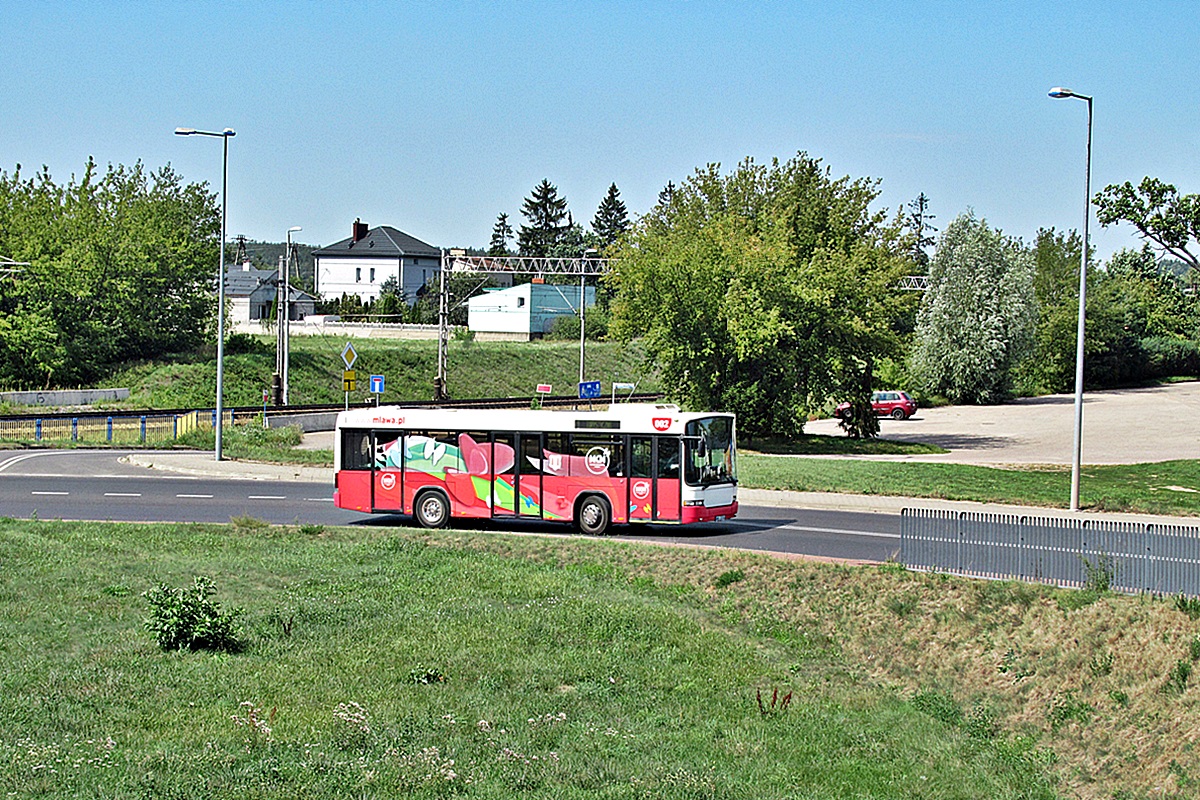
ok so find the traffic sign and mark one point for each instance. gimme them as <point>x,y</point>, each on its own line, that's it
<point>349,356</point>
<point>348,380</point>
<point>589,390</point>
<point>544,388</point>
<point>376,384</point>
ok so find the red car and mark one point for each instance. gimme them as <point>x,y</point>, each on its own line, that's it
<point>897,405</point>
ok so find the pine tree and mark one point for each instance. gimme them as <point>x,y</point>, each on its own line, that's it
<point>918,221</point>
<point>545,211</point>
<point>501,233</point>
<point>612,218</point>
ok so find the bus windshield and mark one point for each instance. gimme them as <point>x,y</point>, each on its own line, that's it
<point>712,452</point>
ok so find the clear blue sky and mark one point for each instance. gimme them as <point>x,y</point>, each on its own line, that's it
<point>435,116</point>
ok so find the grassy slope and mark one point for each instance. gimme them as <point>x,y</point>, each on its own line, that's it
<point>386,663</point>
<point>476,369</point>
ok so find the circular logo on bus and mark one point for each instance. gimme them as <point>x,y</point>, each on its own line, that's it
<point>388,481</point>
<point>597,460</point>
<point>641,489</point>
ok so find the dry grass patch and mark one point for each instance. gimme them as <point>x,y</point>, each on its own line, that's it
<point>1102,682</point>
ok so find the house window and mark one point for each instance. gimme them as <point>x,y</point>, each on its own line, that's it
<point>357,274</point>
<point>372,274</point>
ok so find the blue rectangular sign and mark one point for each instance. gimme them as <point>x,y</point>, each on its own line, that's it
<point>589,390</point>
<point>376,384</point>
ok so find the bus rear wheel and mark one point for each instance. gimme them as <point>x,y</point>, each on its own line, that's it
<point>594,517</point>
<point>432,510</point>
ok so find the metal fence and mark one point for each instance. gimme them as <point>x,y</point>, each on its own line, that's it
<point>115,429</point>
<point>1134,557</point>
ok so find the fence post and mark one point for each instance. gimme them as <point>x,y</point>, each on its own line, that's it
<point>108,430</point>
<point>37,429</point>
<point>174,427</point>
<point>74,429</point>
<point>143,429</point>
<point>214,419</point>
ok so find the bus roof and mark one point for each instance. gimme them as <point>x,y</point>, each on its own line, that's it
<point>622,417</point>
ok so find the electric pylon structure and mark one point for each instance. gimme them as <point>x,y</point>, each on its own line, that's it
<point>587,265</point>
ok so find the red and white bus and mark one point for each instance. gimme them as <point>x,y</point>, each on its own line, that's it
<point>632,463</point>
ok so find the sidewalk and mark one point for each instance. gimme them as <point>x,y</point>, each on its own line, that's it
<point>202,464</point>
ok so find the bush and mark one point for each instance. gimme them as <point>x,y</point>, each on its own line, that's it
<point>188,619</point>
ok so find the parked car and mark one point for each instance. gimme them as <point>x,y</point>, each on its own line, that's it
<point>897,405</point>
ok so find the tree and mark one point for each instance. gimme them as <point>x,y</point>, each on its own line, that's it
<point>765,292</point>
<point>918,221</point>
<point>121,267</point>
<point>501,233</point>
<point>977,317</point>
<point>545,211</point>
<point>1051,365</point>
<point>612,218</point>
<point>1165,218</point>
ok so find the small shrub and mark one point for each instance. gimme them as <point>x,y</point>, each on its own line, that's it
<point>426,675</point>
<point>188,619</point>
<point>1194,648</point>
<point>248,524</point>
<point>1100,575</point>
<point>1177,679</point>
<point>311,530</point>
<point>728,578</point>
<point>1102,664</point>
<point>1188,605</point>
<point>1066,708</point>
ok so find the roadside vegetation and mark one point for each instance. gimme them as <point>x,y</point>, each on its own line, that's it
<point>385,661</point>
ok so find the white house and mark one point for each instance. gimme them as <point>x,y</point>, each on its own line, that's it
<point>359,265</point>
<point>525,311</point>
<point>252,293</point>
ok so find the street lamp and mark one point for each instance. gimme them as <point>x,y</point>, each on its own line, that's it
<point>225,135</point>
<point>1060,92</point>
<point>286,317</point>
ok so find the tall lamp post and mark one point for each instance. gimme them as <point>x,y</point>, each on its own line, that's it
<point>1060,92</point>
<point>285,318</point>
<point>225,136</point>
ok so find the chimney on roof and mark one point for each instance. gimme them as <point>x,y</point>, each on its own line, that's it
<point>360,231</point>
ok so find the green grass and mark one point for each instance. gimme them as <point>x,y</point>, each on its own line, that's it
<point>476,369</point>
<point>1161,488</point>
<point>385,663</point>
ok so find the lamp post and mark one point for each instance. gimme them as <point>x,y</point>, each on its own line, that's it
<point>1060,92</point>
<point>589,253</point>
<point>225,136</point>
<point>285,318</point>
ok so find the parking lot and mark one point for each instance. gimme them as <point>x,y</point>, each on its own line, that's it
<point>1123,426</point>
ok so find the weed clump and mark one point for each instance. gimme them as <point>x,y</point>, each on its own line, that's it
<point>189,619</point>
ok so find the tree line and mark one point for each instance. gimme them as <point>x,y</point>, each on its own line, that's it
<point>770,290</point>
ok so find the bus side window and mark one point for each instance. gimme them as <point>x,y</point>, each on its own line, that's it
<point>356,449</point>
<point>387,450</point>
<point>668,457</point>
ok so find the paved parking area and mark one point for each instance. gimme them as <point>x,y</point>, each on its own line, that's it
<point>1124,426</point>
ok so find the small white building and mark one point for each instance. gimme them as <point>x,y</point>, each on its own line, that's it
<point>251,295</point>
<point>525,311</point>
<point>360,265</point>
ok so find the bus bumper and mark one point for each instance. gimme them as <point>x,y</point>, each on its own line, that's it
<point>709,513</point>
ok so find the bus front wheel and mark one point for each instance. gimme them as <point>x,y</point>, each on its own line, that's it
<point>593,516</point>
<point>432,510</point>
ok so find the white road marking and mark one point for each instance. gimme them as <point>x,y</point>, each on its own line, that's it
<point>319,499</point>
<point>56,494</point>
<point>266,497</point>
<point>122,494</point>
<point>195,496</point>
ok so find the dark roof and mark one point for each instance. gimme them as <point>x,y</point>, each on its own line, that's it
<point>381,241</point>
<point>242,282</point>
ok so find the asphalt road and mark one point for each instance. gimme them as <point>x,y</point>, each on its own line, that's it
<point>99,485</point>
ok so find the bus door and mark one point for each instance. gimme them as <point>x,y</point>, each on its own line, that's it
<point>529,476</point>
<point>667,484</point>
<point>504,474</point>
<point>654,478</point>
<point>387,476</point>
